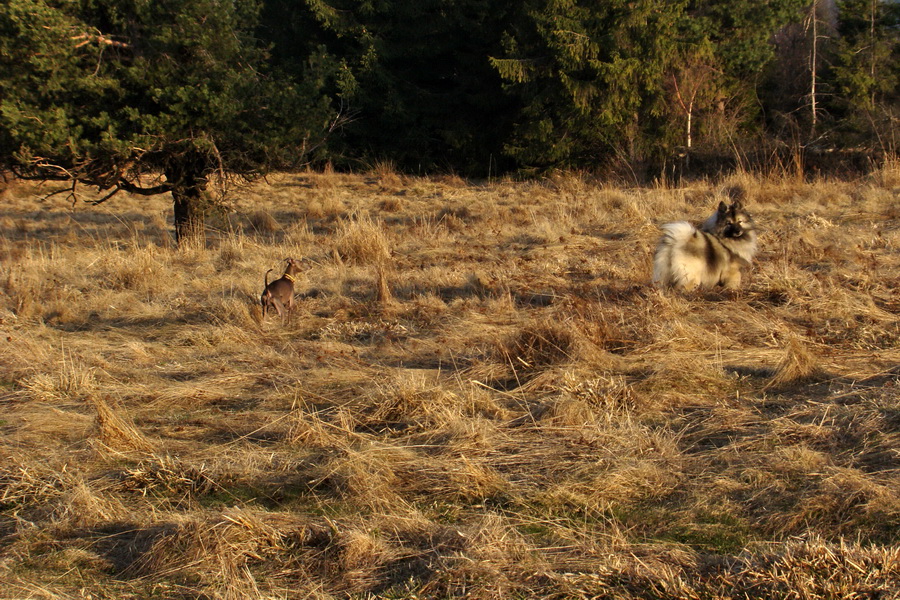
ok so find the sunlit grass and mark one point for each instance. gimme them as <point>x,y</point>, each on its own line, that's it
<point>479,395</point>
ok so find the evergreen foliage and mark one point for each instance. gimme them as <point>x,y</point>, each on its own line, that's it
<point>184,96</point>
<point>416,81</point>
<point>866,69</point>
<point>728,43</point>
<point>115,93</point>
<point>590,78</point>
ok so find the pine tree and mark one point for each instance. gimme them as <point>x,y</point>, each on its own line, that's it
<point>590,76</point>
<point>413,78</point>
<point>734,40</point>
<point>865,72</point>
<point>147,97</point>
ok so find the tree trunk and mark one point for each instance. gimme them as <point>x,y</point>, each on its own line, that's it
<point>690,115</point>
<point>813,64</point>
<point>188,187</point>
<point>872,49</point>
<point>190,213</point>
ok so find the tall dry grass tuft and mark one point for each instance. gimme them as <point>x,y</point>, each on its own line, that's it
<point>466,481</point>
<point>798,364</point>
<point>166,476</point>
<point>362,241</point>
<point>56,492</point>
<point>262,222</point>
<point>383,293</point>
<point>538,345</point>
<point>367,475</point>
<point>23,293</point>
<point>684,379</point>
<point>235,312</point>
<point>71,380</point>
<point>612,395</point>
<point>232,251</point>
<point>310,429</point>
<point>385,173</point>
<point>498,563</point>
<point>815,568</point>
<point>361,557</point>
<point>24,482</point>
<point>888,174</point>
<point>84,506</point>
<point>114,431</point>
<point>145,270</point>
<point>391,204</point>
<point>412,397</point>
<point>326,204</point>
<point>219,551</point>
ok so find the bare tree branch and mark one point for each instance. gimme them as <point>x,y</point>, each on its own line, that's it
<point>51,172</point>
<point>142,191</point>
<point>115,191</point>
<point>98,38</point>
<point>70,190</point>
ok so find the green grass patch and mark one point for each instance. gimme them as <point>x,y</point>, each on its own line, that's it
<point>710,532</point>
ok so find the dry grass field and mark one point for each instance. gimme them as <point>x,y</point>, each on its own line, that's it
<point>479,395</point>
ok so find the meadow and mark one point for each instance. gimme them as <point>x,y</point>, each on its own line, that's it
<point>478,395</point>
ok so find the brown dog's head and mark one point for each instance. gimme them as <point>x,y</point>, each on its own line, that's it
<point>293,266</point>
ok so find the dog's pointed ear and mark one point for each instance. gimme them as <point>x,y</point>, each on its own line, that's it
<point>722,208</point>
<point>737,205</point>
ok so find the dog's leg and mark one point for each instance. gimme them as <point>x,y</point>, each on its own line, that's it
<point>266,297</point>
<point>732,278</point>
<point>279,307</point>
<point>290,305</point>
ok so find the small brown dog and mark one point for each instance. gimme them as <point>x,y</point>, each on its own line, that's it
<point>280,293</point>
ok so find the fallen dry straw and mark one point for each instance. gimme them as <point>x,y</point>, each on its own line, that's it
<point>480,396</point>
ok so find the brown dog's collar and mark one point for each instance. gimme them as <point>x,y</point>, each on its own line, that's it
<point>289,277</point>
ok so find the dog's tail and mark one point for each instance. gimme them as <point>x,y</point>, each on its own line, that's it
<point>675,236</point>
<point>678,232</point>
<point>267,293</point>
